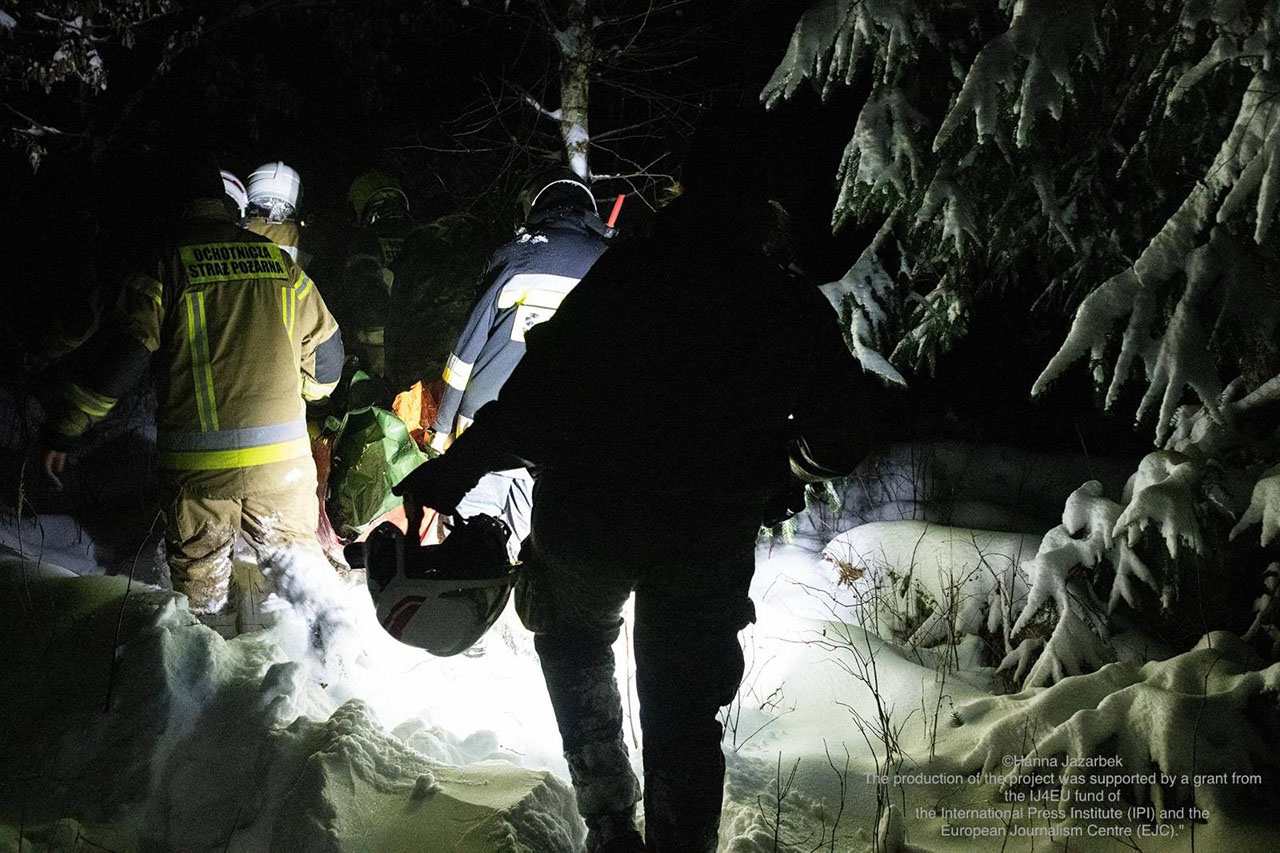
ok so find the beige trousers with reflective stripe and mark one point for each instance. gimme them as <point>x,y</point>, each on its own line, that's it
<point>200,532</point>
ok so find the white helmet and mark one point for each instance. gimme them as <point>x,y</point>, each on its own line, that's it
<point>444,597</point>
<point>235,191</point>
<point>274,189</point>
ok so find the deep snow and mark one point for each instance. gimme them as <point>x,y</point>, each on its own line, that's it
<point>250,744</point>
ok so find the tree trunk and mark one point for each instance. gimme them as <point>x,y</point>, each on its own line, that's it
<point>577,48</point>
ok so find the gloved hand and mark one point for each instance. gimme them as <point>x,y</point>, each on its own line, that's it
<point>440,441</point>
<point>435,483</point>
<point>784,503</point>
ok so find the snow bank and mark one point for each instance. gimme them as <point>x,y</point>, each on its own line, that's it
<point>244,745</point>
<point>988,487</point>
<point>194,742</point>
<point>934,582</point>
<point>1197,726</point>
<point>61,545</point>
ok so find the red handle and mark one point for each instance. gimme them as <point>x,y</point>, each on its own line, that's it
<point>617,208</point>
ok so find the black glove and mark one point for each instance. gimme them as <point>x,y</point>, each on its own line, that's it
<point>435,483</point>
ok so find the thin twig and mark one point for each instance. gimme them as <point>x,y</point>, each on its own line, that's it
<point>124,600</point>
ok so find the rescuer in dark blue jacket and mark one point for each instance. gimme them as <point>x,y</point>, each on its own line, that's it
<point>523,285</point>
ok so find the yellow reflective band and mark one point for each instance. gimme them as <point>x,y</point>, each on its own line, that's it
<point>201,369</point>
<point>247,457</point>
<point>209,263</point>
<point>148,287</point>
<point>457,373</point>
<point>93,405</point>
<point>207,362</point>
<point>288,308</point>
<point>463,423</point>
<point>201,411</point>
<point>306,286</point>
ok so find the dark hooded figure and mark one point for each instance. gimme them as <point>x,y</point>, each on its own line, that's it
<point>656,411</point>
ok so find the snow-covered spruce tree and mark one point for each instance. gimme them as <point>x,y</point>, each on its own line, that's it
<point>1116,157</point>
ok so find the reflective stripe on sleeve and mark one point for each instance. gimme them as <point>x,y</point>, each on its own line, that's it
<point>201,369</point>
<point>463,423</point>
<point>93,405</point>
<point>312,390</point>
<point>541,289</point>
<point>304,286</point>
<point>457,373</point>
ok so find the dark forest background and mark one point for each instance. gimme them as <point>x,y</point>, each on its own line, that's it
<point>441,94</point>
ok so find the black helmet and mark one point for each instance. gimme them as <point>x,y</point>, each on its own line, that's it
<point>441,598</point>
<point>556,187</point>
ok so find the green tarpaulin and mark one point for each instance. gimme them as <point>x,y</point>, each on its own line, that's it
<point>372,452</point>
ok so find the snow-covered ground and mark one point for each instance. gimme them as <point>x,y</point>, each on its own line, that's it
<point>127,725</point>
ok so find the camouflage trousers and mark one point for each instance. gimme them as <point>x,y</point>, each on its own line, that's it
<point>690,603</point>
<point>201,528</point>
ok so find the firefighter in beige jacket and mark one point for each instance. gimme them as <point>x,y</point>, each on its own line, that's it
<point>237,337</point>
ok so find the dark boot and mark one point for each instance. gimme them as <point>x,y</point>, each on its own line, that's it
<point>614,833</point>
<point>584,694</point>
<point>685,674</point>
<point>682,812</point>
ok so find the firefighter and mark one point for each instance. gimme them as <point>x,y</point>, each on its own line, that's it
<point>237,338</point>
<point>658,457</point>
<point>379,209</point>
<point>273,194</point>
<point>524,283</point>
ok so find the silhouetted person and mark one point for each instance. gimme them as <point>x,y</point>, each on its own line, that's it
<point>656,410</point>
